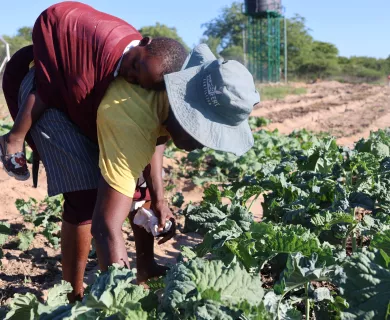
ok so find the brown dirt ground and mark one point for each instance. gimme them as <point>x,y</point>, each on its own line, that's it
<point>348,111</point>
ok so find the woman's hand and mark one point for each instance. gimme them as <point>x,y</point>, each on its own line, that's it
<point>163,213</point>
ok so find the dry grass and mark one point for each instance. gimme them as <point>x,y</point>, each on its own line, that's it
<point>279,92</point>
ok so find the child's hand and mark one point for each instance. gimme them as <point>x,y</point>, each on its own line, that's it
<point>163,213</point>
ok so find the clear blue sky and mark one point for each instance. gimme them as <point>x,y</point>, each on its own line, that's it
<point>358,27</point>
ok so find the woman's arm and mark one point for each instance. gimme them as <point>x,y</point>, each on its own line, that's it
<point>156,188</point>
<point>111,210</point>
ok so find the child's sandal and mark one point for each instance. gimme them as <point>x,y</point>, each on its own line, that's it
<point>14,164</point>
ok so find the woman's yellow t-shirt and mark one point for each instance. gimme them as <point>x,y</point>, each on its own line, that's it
<point>129,121</point>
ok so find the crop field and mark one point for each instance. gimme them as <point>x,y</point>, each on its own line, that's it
<point>297,228</point>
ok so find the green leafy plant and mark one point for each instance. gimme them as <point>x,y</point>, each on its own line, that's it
<point>300,272</point>
<point>45,216</point>
<point>177,199</point>
<point>5,231</point>
<point>257,122</point>
<point>112,295</point>
<point>364,280</point>
<point>25,238</point>
<point>203,289</point>
<point>321,250</point>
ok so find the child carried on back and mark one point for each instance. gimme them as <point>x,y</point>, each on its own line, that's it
<point>72,71</point>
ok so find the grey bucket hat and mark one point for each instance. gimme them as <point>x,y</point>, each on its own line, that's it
<point>199,55</point>
<point>212,100</point>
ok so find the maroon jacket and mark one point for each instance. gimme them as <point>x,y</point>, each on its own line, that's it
<point>76,52</point>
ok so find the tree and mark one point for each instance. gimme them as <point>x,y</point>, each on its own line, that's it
<point>364,68</point>
<point>321,61</point>
<point>162,30</point>
<point>21,39</point>
<point>233,53</point>
<point>25,33</point>
<point>386,66</point>
<point>299,43</point>
<point>227,28</point>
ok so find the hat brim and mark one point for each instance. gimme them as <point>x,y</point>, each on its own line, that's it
<point>187,109</point>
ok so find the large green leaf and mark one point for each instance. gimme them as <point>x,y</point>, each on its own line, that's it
<point>374,144</point>
<point>188,288</point>
<point>23,307</point>
<point>209,216</point>
<point>301,270</point>
<point>381,240</point>
<point>80,312</point>
<point>113,293</point>
<point>55,313</point>
<point>270,240</point>
<point>57,295</point>
<point>324,221</point>
<point>25,238</point>
<point>262,243</point>
<point>212,194</point>
<point>28,307</point>
<point>202,218</point>
<point>322,157</point>
<point>280,309</point>
<point>365,285</point>
<point>216,238</point>
<point>210,310</point>
<point>241,216</point>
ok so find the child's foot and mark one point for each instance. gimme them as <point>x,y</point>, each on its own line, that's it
<point>153,271</point>
<point>13,159</point>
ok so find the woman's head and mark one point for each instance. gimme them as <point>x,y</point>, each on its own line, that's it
<point>180,137</point>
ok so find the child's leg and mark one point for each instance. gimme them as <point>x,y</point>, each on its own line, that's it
<point>28,114</point>
<point>12,144</point>
<point>147,266</point>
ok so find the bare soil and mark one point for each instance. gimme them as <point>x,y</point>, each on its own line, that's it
<point>347,111</point>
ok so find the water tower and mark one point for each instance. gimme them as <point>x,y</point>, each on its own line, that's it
<point>263,39</point>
